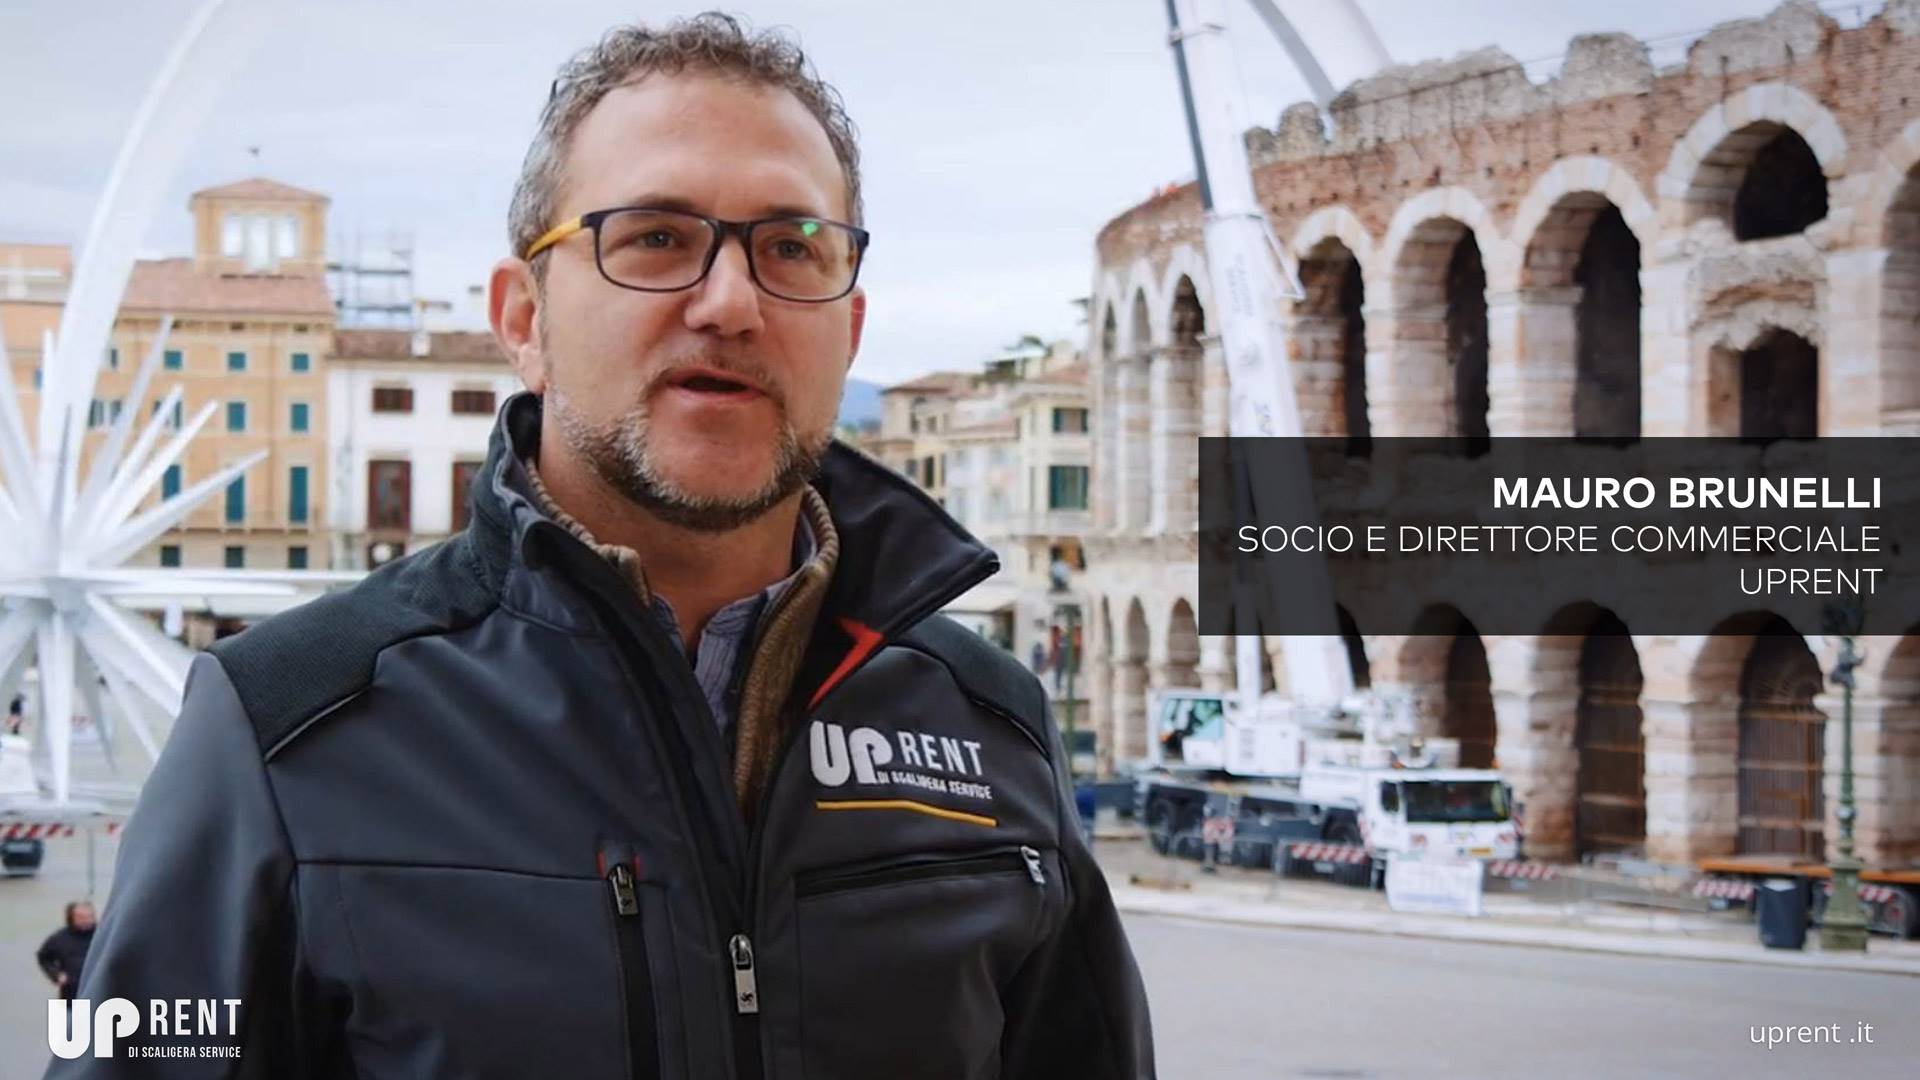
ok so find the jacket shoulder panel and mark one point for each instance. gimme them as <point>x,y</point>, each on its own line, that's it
<point>294,666</point>
<point>985,672</point>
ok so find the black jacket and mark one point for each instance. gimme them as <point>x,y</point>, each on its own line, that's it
<point>65,953</point>
<point>472,818</point>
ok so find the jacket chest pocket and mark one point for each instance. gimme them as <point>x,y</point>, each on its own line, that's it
<point>905,961</point>
<point>648,984</point>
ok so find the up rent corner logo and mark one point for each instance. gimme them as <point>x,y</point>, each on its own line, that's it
<point>73,1025</point>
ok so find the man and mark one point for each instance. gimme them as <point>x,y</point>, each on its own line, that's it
<point>665,766</point>
<point>63,956</point>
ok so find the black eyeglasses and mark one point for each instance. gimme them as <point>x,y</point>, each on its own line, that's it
<point>805,259</point>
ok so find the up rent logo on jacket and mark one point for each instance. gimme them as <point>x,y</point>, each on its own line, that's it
<point>71,1025</point>
<point>865,755</point>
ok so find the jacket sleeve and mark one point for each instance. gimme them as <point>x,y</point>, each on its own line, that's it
<point>199,906</point>
<point>49,957</point>
<point>1078,1007</point>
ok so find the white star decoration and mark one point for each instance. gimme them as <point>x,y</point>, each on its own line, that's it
<point>65,591</point>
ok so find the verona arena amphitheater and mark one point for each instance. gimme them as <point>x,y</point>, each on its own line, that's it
<point>1728,245</point>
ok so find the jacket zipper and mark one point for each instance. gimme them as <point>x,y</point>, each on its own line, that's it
<point>748,1063</point>
<point>729,907</point>
<point>636,981</point>
<point>1022,860</point>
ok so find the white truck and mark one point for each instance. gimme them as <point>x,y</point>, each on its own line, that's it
<point>1311,794</point>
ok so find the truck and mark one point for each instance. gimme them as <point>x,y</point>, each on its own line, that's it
<point>1312,793</point>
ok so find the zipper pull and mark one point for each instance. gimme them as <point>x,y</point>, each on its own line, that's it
<point>624,900</point>
<point>1038,875</point>
<point>746,998</point>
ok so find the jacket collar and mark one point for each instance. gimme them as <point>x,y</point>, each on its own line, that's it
<point>901,555</point>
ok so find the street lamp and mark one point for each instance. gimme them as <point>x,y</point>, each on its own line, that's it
<point>1845,925</point>
<point>1069,613</point>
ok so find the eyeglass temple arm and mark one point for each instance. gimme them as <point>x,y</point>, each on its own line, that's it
<point>555,235</point>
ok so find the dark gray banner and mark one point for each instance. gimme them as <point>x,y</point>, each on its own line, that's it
<point>1673,536</point>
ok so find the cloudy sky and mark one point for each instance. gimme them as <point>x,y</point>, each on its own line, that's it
<point>997,135</point>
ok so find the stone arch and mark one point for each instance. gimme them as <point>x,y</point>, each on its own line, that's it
<point>1444,664</point>
<point>1441,346</point>
<point>1886,752</point>
<point>1131,648</point>
<point>1174,383</point>
<point>1761,671</point>
<point>1130,418</point>
<point>1328,342</point>
<point>1766,389</point>
<point>1334,223</point>
<point>1585,175</point>
<point>1587,683</point>
<point>1578,366</point>
<point>1707,165</point>
<point>1892,222</point>
<point>1183,645</point>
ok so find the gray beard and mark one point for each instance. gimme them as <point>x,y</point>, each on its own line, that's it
<point>620,454</point>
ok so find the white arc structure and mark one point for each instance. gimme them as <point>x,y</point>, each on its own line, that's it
<point>65,592</point>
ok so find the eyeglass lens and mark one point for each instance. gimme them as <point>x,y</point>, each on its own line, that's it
<point>797,258</point>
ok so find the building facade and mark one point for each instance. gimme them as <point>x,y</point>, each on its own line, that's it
<point>1008,453</point>
<point>252,328</point>
<point>410,413</point>
<point>1727,246</point>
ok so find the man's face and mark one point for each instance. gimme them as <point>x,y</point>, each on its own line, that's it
<point>83,917</point>
<point>614,364</point>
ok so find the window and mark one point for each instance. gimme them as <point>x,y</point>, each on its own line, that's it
<point>36,378</point>
<point>1070,421</point>
<point>463,474</point>
<point>392,399</point>
<point>236,556</point>
<point>302,362</point>
<point>473,403</point>
<point>236,416</point>
<point>286,237</point>
<point>390,495</point>
<point>96,413</point>
<point>169,554</point>
<point>297,495</point>
<point>113,358</point>
<point>297,557</point>
<point>173,420</point>
<point>1066,487</point>
<point>298,418</point>
<point>237,360</point>
<point>170,482</point>
<point>173,360</point>
<point>237,501</point>
<point>232,235</point>
<point>259,242</point>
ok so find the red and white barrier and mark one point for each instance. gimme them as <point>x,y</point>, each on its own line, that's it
<point>1314,851</point>
<point>1872,894</point>
<point>1723,889</point>
<point>1524,871</point>
<point>47,830</point>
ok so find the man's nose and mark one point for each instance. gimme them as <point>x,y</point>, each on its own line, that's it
<point>727,303</point>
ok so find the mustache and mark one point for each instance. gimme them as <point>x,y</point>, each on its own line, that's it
<point>745,368</point>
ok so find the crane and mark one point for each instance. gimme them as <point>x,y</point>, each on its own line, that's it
<point>1249,281</point>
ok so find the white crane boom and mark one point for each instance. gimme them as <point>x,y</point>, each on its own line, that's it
<point>1248,285</point>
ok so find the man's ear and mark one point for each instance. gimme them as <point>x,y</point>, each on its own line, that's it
<point>858,315</point>
<point>513,308</point>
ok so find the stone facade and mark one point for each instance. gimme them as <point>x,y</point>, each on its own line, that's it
<point>1729,246</point>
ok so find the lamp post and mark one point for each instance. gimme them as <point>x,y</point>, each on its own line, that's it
<point>1845,926</point>
<point>1068,613</point>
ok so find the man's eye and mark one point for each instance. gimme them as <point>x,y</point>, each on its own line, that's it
<point>656,238</point>
<point>792,249</point>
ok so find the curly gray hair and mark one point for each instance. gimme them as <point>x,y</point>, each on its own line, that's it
<point>708,42</point>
